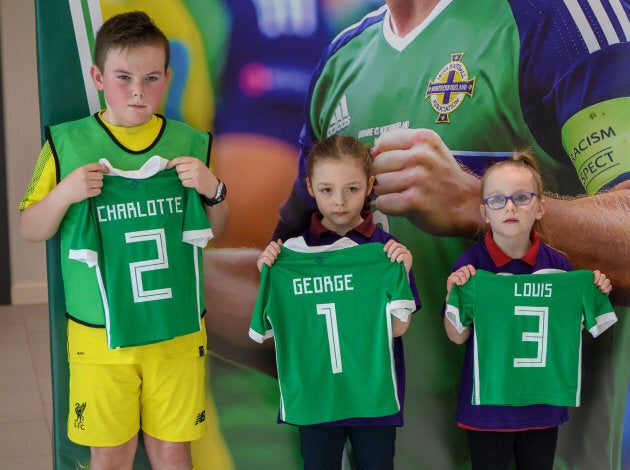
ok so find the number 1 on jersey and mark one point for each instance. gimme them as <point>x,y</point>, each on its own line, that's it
<point>330,312</point>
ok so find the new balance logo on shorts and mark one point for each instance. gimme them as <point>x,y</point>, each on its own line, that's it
<point>201,417</point>
<point>341,118</point>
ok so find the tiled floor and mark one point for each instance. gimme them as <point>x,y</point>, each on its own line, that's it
<point>25,388</point>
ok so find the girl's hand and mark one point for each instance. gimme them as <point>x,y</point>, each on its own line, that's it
<point>269,255</point>
<point>399,253</point>
<point>602,282</point>
<point>459,277</point>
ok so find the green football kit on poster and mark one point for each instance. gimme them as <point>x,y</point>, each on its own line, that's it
<point>329,310</point>
<point>355,96</point>
<point>528,334</point>
<point>486,88</point>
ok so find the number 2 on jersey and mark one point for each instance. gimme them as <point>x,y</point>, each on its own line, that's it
<point>330,313</point>
<point>137,268</point>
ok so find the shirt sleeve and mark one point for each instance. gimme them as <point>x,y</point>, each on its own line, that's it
<point>574,86</point>
<point>402,302</point>
<point>196,230</point>
<point>599,314</point>
<point>260,328</point>
<point>44,178</point>
<point>460,305</point>
<point>85,238</point>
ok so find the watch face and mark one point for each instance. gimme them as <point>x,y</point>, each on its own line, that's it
<point>219,196</point>
<point>221,192</point>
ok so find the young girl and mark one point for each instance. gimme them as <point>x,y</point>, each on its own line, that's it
<point>339,177</point>
<point>512,204</point>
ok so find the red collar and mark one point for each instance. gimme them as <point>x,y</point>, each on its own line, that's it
<point>501,259</point>
<point>365,228</point>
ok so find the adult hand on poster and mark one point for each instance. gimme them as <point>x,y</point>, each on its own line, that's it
<point>418,178</point>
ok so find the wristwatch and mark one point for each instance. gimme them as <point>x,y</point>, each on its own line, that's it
<point>218,197</point>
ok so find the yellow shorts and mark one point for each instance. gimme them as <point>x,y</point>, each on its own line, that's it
<point>88,345</point>
<point>110,402</point>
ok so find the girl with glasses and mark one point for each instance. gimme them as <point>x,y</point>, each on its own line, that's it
<point>512,204</point>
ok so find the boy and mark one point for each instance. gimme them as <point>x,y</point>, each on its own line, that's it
<point>113,390</point>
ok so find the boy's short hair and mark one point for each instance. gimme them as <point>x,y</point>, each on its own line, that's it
<point>128,30</point>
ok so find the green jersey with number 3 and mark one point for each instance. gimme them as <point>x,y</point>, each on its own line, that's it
<point>527,334</point>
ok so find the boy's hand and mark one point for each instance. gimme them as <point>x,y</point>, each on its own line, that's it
<point>459,277</point>
<point>399,253</point>
<point>193,173</point>
<point>269,255</point>
<point>602,282</point>
<point>84,182</point>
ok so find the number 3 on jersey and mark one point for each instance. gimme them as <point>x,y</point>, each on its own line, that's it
<point>330,313</point>
<point>539,336</point>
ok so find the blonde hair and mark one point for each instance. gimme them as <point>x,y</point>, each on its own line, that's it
<point>520,159</point>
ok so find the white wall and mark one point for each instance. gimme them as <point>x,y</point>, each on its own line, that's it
<point>22,141</point>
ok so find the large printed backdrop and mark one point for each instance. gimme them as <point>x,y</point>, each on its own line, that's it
<point>243,433</point>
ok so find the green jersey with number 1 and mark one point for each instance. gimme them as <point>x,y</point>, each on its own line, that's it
<point>330,313</point>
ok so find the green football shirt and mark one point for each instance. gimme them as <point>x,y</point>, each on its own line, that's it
<point>144,236</point>
<point>528,333</point>
<point>330,311</point>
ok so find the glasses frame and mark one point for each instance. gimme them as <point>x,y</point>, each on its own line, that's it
<point>510,198</point>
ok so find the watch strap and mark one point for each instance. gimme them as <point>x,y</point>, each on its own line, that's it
<point>219,196</point>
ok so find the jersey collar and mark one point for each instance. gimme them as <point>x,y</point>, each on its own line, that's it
<point>365,228</point>
<point>400,43</point>
<point>501,259</point>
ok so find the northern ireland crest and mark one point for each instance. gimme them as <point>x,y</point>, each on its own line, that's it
<point>449,88</point>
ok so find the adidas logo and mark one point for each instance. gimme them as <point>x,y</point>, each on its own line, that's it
<point>340,119</point>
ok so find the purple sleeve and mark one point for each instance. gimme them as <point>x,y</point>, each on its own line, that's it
<point>573,55</point>
<point>295,213</point>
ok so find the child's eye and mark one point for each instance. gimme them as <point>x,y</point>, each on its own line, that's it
<point>521,198</point>
<point>151,78</point>
<point>123,77</point>
<point>353,189</point>
<point>326,190</point>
